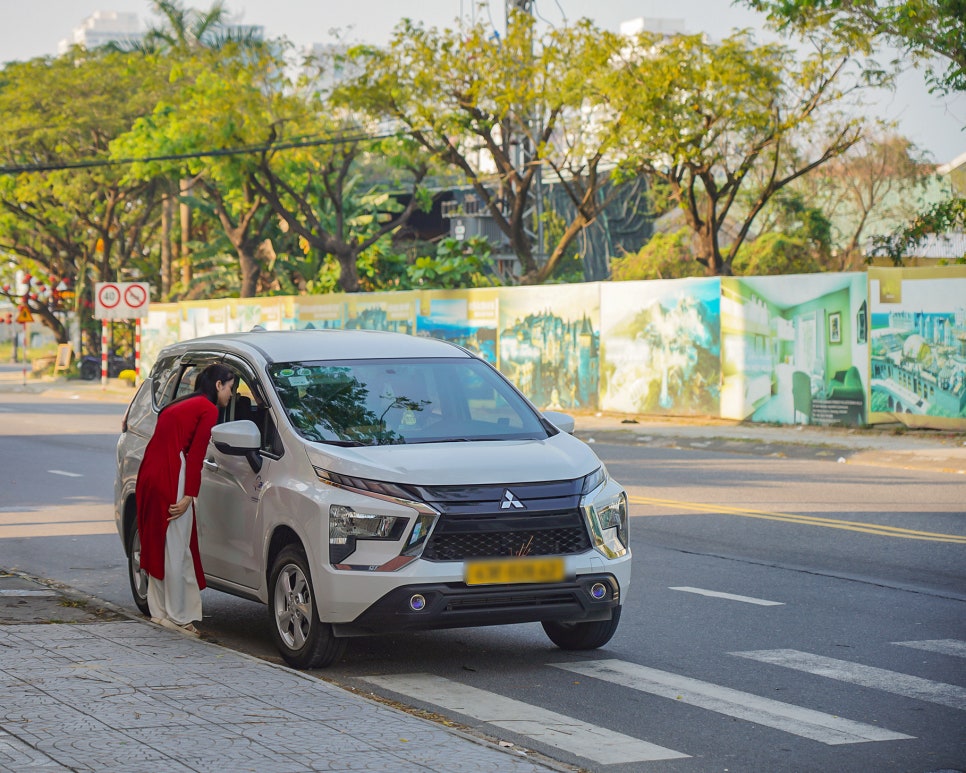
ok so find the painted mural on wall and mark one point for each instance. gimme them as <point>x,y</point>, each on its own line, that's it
<point>792,350</point>
<point>918,350</point>
<point>395,312</point>
<point>161,328</point>
<point>661,347</point>
<point>314,312</point>
<point>549,344</point>
<point>466,317</point>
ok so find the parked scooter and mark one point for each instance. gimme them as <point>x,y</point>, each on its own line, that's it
<point>90,366</point>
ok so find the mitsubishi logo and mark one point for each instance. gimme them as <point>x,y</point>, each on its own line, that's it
<point>509,500</point>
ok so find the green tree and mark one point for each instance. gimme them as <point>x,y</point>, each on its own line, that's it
<point>798,241</point>
<point>665,256</point>
<point>318,192</point>
<point>221,100</point>
<point>456,264</point>
<point>880,180</point>
<point>63,207</point>
<point>948,215</point>
<point>503,113</point>
<point>924,29</point>
<point>723,127</point>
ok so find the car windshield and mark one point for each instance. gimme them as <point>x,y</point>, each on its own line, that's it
<point>380,402</point>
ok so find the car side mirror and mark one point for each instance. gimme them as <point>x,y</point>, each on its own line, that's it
<point>562,421</point>
<point>239,438</point>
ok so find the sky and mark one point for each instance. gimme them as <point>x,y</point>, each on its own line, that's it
<point>30,28</point>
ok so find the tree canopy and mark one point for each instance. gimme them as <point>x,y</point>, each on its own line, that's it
<point>924,29</point>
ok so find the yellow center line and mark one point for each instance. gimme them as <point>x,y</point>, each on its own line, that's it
<point>808,520</point>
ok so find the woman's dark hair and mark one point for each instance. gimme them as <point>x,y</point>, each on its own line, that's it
<point>207,382</point>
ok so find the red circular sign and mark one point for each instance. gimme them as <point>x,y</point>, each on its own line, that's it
<point>109,296</point>
<point>135,296</point>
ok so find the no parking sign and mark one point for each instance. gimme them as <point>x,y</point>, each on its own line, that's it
<point>121,300</point>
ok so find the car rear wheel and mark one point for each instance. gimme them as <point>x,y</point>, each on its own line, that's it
<point>303,639</point>
<point>583,636</point>
<point>137,576</point>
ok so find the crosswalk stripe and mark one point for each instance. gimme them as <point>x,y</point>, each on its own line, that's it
<point>585,740</point>
<point>730,596</point>
<point>799,721</point>
<point>942,646</point>
<point>865,676</point>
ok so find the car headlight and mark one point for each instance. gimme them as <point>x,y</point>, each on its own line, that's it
<point>606,516</point>
<point>346,526</point>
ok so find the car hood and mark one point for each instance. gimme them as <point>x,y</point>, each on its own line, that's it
<point>560,457</point>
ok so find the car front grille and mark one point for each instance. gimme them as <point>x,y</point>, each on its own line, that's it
<point>502,521</point>
<point>495,537</point>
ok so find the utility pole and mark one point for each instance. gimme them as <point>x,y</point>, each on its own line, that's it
<point>527,153</point>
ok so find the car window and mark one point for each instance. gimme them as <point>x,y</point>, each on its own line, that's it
<point>379,402</point>
<point>161,376</point>
<point>186,384</point>
<point>246,404</point>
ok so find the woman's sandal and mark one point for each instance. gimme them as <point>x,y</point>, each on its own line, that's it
<point>188,628</point>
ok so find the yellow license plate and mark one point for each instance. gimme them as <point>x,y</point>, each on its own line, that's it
<point>514,570</point>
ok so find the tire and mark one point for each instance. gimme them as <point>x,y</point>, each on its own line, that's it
<point>135,574</point>
<point>303,640</point>
<point>583,636</point>
<point>90,370</point>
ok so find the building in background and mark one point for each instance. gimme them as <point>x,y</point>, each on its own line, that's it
<point>103,27</point>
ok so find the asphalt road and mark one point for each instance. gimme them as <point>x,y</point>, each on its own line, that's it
<point>785,614</point>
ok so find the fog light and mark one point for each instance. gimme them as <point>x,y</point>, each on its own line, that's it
<point>417,603</point>
<point>598,590</point>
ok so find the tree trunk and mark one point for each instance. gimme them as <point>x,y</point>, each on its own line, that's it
<point>184,185</point>
<point>250,269</point>
<point>167,212</point>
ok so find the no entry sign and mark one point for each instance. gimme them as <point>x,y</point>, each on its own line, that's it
<point>121,300</point>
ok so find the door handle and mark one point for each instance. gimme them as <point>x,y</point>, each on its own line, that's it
<point>210,464</point>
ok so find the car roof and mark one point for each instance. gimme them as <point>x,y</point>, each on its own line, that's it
<point>328,344</point>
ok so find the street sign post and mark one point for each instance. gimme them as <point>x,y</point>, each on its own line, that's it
<point>121,301</point>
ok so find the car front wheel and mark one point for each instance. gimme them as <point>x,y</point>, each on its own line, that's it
<point>137,576</point>
<point>583,636</point>
<point>303,640</point>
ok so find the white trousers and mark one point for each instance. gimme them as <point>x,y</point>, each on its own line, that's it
<point>177,597</point>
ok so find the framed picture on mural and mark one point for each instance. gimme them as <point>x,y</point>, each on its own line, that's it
<point>835,327</point>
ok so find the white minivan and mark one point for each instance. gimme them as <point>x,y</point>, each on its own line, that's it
<point>364,482</point>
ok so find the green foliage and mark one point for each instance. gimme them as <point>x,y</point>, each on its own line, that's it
<point>948,215</point>
<point>457,264</point>
<point>81,224</point>
<point>518,104</point>
<point>776,253</point>
<point>799,242</point>
<point>720,128</point>
<point>665,256</point>
<point>922,28</point>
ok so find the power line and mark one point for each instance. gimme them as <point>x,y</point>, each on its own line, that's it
<point>239,151</point>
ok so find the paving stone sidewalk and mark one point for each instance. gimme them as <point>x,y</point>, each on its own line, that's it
<point>131,696</point>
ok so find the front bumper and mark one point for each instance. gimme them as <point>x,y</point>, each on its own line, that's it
<point>457,605</point>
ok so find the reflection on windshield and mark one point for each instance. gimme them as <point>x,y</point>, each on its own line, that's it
<point>382,402</point>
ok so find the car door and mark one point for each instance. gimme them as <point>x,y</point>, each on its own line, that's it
<point>230,522</point>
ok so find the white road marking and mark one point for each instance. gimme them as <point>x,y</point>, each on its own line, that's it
<point>731,596</point>
<point>865,676</point>
<point>817,726</point>
<point>585,740</point>
<point>13,592</point>
<point>942,646</point>
<point>67,474</point>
